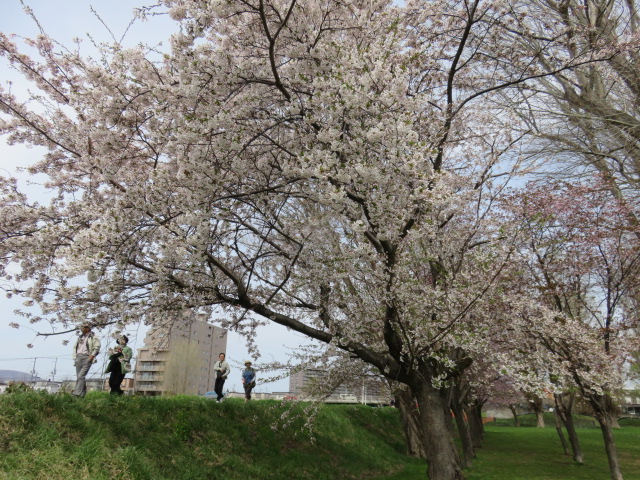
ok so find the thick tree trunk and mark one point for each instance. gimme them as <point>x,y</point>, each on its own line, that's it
<point>411,424</point>
<point>442,457</point>
<point>463,426</point>
<point>564,407</point>
<point>603,406</point>
<point>614,421</point>
<point>514,412</point>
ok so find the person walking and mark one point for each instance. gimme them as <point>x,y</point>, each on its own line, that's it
<point>248,380</point>
<point>222,372</point>
<point>85,352</point>
<point>119,364</point>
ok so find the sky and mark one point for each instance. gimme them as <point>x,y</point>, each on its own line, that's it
<point>65,20</point>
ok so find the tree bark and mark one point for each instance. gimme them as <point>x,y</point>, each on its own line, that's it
<point>564,407</point>
<point>514,412</point>
<point>610,447</point>
<point>457,401</point>
<point>603,407</point>
<point>563,441</point>
<point>442,457</point>
<point>476,428</point>
<point>536,403</point>
<point>614,421</point>
<point>478,407</point>
<point>411,424</point>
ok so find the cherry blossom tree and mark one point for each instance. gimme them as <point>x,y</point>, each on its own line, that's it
<point>583,261</point>
<point>324,165</point>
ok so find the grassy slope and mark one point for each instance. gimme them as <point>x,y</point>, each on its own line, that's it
<point>183,438</point>
<point>101,437</point>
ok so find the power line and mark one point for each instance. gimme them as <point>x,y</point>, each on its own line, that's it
<point>32,358</point>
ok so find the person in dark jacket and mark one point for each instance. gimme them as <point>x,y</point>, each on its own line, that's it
<point>119,364</point>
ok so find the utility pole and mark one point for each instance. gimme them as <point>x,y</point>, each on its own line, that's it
<point>53,373</point>
<point>33,371</point>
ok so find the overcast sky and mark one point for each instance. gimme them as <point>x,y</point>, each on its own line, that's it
<point>65,20</point>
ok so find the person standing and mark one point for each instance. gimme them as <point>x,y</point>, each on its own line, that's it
<point>222,372</point>
<point>85,352</point>
<point>119,365</point>
<point>248,380</point>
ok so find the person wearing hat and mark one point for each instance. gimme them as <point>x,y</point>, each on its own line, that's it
<point>248,380</point>
<point>85,353</point>
<point>119,364</point>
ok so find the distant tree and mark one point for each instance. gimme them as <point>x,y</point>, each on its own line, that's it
<point>583,259</point>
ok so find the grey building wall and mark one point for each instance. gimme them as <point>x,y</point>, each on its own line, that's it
<point>203,340</point>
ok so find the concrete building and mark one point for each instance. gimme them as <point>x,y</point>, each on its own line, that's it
<point>48,386</point>
<point>630,404</point>
<point>178,357</point>
<point>361,389</point>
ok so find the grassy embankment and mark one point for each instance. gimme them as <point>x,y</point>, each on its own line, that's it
<point>53,437</point>
<point>188,438</point>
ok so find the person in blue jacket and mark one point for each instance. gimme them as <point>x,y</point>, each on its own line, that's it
<point>248,380</point>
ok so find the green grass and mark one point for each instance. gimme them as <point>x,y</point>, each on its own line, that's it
<point>513,453</point>
<point>102,437</point>
<point>530,420</point>
<point>52,437</point>
<point>523,453</point>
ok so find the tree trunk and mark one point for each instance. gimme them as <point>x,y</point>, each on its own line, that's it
<point>474,419</point>
<point>603,406</point>
<point>539,419</point>
<point>514,412</point>
<point>536,404</point>
<point>478,404</point>
<point>411,424</point>
<point>563,441</point>
<point>564,407</point>
<point>610,447</point>
<point>463,426</point>
<point>442,457</point>
<point>446,401</point>
<point>573,438</point>
<point>614,421</point>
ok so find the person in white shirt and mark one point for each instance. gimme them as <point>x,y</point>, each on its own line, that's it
<point>85,353</point>
<point>222,372</point>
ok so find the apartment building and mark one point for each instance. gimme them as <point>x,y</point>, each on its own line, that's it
<point>178,357</point>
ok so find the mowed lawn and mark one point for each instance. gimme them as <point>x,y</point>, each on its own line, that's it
<point>528,453</point>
